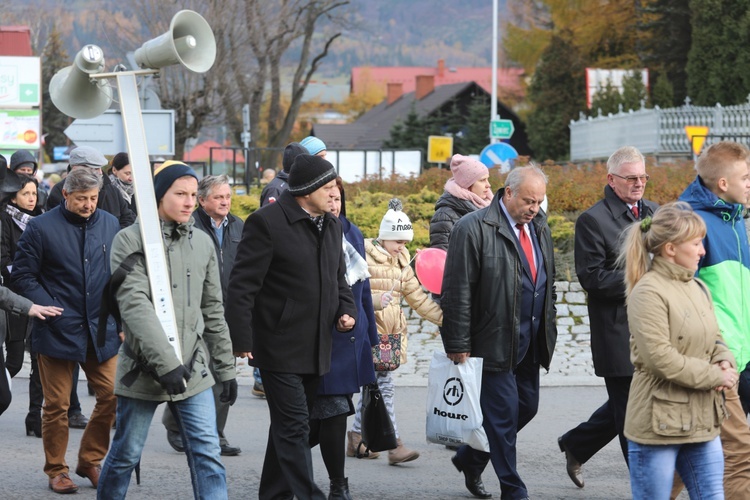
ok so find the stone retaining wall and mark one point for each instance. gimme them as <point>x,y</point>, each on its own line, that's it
<point>571,363</point>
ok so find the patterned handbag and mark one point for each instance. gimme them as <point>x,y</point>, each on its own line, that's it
<point>386,354</point>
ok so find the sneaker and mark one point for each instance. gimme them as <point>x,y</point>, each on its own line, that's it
<point>258,390</point>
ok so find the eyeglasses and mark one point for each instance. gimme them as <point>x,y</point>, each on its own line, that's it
<point>630,179</point>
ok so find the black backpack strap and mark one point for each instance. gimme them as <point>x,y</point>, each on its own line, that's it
<point>109,305</point>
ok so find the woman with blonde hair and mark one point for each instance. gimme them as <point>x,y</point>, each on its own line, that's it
<point>675,408</point>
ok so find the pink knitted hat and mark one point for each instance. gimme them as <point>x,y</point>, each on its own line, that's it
<point>467,171</point>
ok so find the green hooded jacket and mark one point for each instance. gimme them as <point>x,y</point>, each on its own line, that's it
<point>196,294</point>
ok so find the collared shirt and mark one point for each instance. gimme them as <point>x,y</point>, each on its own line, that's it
<point>219,230</point>
<point>515,229</point>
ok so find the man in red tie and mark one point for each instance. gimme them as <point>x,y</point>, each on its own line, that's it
<point>499,304</point>
<point>597,245</point>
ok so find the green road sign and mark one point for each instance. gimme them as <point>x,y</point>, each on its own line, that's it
<point>501,129</point>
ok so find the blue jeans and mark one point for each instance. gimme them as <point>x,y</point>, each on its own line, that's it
<point>196,417</point>
<point>256,376</point>
<point>700,465</point>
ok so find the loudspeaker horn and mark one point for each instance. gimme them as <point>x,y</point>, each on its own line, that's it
<point>75,93</point>
<point>189,41</point>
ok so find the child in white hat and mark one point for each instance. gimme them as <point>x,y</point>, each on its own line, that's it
<point>391,278</point>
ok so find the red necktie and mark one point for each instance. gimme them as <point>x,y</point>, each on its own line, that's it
<point>635,211</point>
<point>527,249</point>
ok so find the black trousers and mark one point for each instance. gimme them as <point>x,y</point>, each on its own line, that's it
<point>605,424</point>
<point>287,467</point>
<point>509,401</point>
<point>5,395</point>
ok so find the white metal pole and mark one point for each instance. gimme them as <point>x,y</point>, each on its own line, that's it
<point>148,216</point>
<point>493,110</point>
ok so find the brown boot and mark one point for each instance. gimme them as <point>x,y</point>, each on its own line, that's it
<point>401,454</point>
<point>353,448</point>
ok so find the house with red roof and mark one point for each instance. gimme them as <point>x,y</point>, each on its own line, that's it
<point>509,80</point>
<point>373,128</point>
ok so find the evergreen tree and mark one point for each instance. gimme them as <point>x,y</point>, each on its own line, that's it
<point>477,126</point>
<point>718,69</point>
<point>662,94</point>
<point>412,132</point>
<point>557,93</point>
<point>54,122</point>
<point>667,32</point>
<point>633,91</point>
<point>606,100</point>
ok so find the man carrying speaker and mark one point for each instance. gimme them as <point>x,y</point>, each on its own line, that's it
<point>149,372</point>
<point>224,229</point>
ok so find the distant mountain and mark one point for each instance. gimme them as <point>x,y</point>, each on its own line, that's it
<point>414,33</point>
<point>379,33</point>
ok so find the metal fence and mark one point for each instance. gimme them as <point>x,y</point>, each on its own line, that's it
<point>659,132</point>
<point>244,166</point>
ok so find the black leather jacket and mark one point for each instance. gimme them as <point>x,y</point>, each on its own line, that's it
<point>482,286</point>
<point>448,210</point>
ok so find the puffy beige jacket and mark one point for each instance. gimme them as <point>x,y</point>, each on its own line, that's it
<point>395,275</point>
<point>675,346</point>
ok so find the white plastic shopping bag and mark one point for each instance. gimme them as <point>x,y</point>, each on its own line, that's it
<point>454,415</point>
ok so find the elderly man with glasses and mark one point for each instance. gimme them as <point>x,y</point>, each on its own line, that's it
<point>597,245</point>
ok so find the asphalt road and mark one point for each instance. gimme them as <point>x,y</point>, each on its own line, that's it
<point>165,474</point>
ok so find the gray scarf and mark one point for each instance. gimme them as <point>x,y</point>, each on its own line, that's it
<point>126,189</point>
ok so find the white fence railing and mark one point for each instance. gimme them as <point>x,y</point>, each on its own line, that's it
<point>656,131</point>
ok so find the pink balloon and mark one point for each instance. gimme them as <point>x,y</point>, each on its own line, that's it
<point>430,266</point>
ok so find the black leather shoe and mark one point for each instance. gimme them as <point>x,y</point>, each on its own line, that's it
<point>230,451</point>
<point>175,441</point>
<point>573,466</point>
<point>77,421</point>
<point>473,481</point>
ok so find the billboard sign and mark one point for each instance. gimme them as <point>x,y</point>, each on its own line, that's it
<point>20,82</point>
<point>597,78</point>
<point>19,129</point>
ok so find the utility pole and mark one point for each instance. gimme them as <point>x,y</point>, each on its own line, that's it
<point>493,104</point>
<point>245,136</point>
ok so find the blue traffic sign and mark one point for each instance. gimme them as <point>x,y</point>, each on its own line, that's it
<point>499,154</point>
<point>60,153</point>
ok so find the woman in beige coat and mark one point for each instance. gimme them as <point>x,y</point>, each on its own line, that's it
<point>675,408</point>
<point>391,278</point>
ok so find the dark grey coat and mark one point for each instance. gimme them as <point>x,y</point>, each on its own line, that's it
<point>597,246</point>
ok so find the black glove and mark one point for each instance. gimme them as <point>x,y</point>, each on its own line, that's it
<point>175,382</point>
<point>229,394</point>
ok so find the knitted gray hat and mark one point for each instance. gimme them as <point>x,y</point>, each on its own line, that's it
<point>308,174</point>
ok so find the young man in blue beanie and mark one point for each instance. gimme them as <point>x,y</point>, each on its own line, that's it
<point>314,146</point>
<point>149,373</point>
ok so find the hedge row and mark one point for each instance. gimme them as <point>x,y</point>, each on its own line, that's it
<point>571,189</point>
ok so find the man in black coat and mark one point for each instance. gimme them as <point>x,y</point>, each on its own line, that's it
<point>110,199</point>
<point>597,246</point>
<point>225,230</point>
<point>279,184</point>
<point>288,290</point>
<point>499,304</point>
